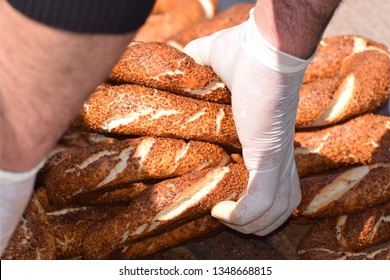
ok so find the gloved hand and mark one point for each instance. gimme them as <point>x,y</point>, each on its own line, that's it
<point>15,192</point>
<point>264,83</point>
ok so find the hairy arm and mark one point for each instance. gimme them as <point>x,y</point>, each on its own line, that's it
<point>294,26</point>
<point>46,75</point>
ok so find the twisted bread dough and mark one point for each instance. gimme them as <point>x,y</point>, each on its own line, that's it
<point>161,66</point>
<point>33,239</point>
<point>350,237</point>
<point>362,140</point>
<point>234,15</point>
<point>128,110</point>
<point>70,224</point>
<point>332,52</point>
<point>164,206</point>
<point>101,167</point>
<point>361,86</point>
<point>345,192</point>
<point>199,227</point>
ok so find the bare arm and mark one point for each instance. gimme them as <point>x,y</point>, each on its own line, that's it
<point>46,75</point>
<point>294,26</point>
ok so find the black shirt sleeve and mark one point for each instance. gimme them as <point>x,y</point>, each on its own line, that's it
<point>87,16</point>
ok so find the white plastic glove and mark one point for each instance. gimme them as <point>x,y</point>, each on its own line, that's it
<point>15,192</point>
<point>264,83</point>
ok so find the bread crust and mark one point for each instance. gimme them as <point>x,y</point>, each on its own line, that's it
<point>179,16</point>
<point>164,206</point>
<point>129,110</point>
<point>99,168</point>
<point>33,238</point>
<point>333,51</point>
<point>190,231</point>
<point>344,192</point>
<point>360,141</point>
<point>363,235</point>
<point>234,15</point>
<point>158,65</point>
<point>70,224</point>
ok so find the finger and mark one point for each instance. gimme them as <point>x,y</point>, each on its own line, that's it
<point>199,50</point>
<point>261,192</point>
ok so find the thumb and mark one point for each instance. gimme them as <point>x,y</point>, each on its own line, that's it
<point>225,211</point>
<point>199,49</point>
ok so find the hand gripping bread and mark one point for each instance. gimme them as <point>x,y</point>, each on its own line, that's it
<point>332,52</point>
<point>178,16</point>
<point>127,110</point>
<point>232,16</point>
<point>164,206</point>
<point>33,239</point>
<point>160,66</point>
<point>362,140</point>
<point>192,230</point>
<point>361,86</point>
<point>99,167</point>
<point>70,224</point>
<point>345,192</point>
<point>363,235</point>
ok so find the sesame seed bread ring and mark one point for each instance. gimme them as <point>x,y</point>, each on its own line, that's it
<point>102,167</point>
<point>345,192</point>
<point>161,66</point>
<point>33,238</point>
<point>174,18</point>
<point>362,140</point>
<point>361,236</point>
<point>232,16</point>
<point>128,110</point>
<point>163,207</point>
<point>197,228</point>
<point>70,224</point>
<point>333,51</point>
<point>361,86</point>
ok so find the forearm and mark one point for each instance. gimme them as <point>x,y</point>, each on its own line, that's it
<point>46,75</point>
<point>294,26</point>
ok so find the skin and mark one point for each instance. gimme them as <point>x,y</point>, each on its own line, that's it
<point>46,75</point>
<point>294,26</point>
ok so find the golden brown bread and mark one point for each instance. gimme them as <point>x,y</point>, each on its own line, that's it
<point>70,224</point>
<point>232,16</point>
<point>128,110</point>
<point>164,206</point>
<point>361,86</point>
<point>174,17</point>
<point>333,51</point>
<point>164,6</point>
<point>33,238</point>
<point>197,228</point>
<point>345,192</point>
<point>362,140</point>
<point>120,194</point>
<point>350,237</point>
<point>160,66</point>
<point>98,168</point>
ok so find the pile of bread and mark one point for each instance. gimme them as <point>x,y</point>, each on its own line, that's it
<point>155,148</point>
